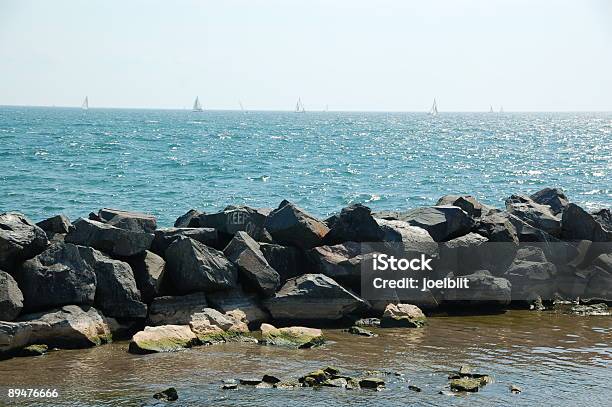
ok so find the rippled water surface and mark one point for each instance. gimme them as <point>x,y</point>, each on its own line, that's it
<point>56,160</point>
<point>558,360</point>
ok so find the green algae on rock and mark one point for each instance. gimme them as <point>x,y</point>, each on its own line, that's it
<point>294,336</point>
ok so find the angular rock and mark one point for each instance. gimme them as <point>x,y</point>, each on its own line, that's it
<point>11,298</point>
<point>58,276</point>
<point>109,239</point>
<point>149,269</point>
<point>312,297</point>
<point>20,239</point>
<point>403,315</point>
<point>441,222</point>
<point>341,262</point>
<point>164,338</point>
<point>188,220</point>
<point>33,350</point>
<point>553,197</point>
<point>530,279</point>
<point>192,266</point>
<point>465,254</point>
<point>288,261</point>
<point>531,253</point>
<point>536,215</point>
<point>237,299</point>
<point>354,224</point>
<point>599,286</point>
<point>413,239</point>
<point>176,310</point>
<point>370,322</point>
<point>371,383</point>
<point>484,291</point>
<point>133,221</point>
<point>604,218</point>
<point>211,326</point>
<point>295,336</point>
<point>468,203</point>
<point>56,224</point>
<point>170,394</point>
<point>165,237</point>
<point>591,310</point>
<point>467,384</point>
<point>116,292</point>
<point>68,327</point>
<point>577,224</point>
<point>497,228</point>
<point>235,219</point>
<point>604,261</point>
<point>291,226</point>
<point>253,267</point>
<point>356,330</point>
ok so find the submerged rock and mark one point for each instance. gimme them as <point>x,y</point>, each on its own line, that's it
<point>108,238</point>
<point>164,338</point>
<point>170,394</point>
<point>291,226</point>
<point>20,239</point>
<point>356,330</point>
<point>515,389</point>
<point>370,322</point>
<point>465,384</point>
<point>294,336</point>
<point>133,221</point>
<point>371,383</point>
<point>590,310</point>
<point>403,315</point>
<point>33,350</point>
<point>11,298</point>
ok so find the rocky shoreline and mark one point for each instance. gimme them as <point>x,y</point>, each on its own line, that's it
<point>276,277</point>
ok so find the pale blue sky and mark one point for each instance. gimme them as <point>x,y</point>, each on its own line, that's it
<point>350,54</point>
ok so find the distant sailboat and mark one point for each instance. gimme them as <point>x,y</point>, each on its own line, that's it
<point>501,109</point>
<point>85,105</point>
<point>491,109</point>
<point>299,106</point>
<point>326,108</point>
<point>241,106</point>
<point>197,106</point>
<point>434,108</point>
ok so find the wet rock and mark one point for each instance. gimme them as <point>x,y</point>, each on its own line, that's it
<point>20,239</point>
<point>465,384</point>
<point>484,291</point>
<point>604,261</point>
<point>133,221</point>
<point>577,224</point>
<point>33,350</point>
<point>237,299</point>
<point>312,297</point>
<point>315,378</point>
<point>536,215</point>
<point>414,388</point>
<point>341,262</point>
<point>58,276</point>
<point>176,310</point>
<point>441,222</point>
<point>149,269</point>
<point>403,315</point>
<point>599,286</point>
<point>468,203</point>
<point>192,266</point>
<point>11,298</point>
<point>270,379</point>
<point>371,383</point>
<point>166,236</point>
<point>294,336</point>
<point>368,322</point>
<point>69,327</point>
<point>288,261</point>
<point>170,394</point>
<point>356,330</point>
<point>340,382</point>
<point>354,224</point>
<point>211,326</point>
<point>188,220</point>
<point>515,389</point>
<point>553,197</point>
<point>164,338</point>
<point>116,292</point>
<point>537,304</point>
<point>253,267</point>
<point>590,310</point>
<point>59,224</point>
<point>412,239</point>
<point>109,239</point>
<point>235,219</point>
<point>230,386</point>
<point>250,381</point>
<point>530,279</point>
<point>291,226</point>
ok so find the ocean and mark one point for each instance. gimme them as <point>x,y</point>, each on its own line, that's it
<point>164,162</point>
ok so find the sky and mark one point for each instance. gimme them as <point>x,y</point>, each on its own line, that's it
<point>378,55</point>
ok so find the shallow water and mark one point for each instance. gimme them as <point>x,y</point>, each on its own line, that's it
<point>556,359</point>
<point>59,160</point>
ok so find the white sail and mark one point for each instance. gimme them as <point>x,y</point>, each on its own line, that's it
<point>85,105</point>
<point>491,109</point>
<point>299,106</point>
<point>197,106</point>
<point>434,108</point>
<point>241,105</point>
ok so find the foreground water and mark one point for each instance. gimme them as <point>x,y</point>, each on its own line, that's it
<point>55,160</point>
<point>556,359</point>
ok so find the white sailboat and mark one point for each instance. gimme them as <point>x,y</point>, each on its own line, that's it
<point>241,106</point>
<point>197,106</point>
<point>85,105</point>
<point>299,106</point>
<point>491,109</point>
<point>434,108</point>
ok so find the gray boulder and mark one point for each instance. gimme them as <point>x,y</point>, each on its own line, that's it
<point>109,239</point>
<point>465,254</point>
<point>58,224</point>
<point>20,239</point>
<point>149,269</point>
<point>164,338</point>
<point>553,197</point>
<point>497,228</point>
<point>441,222</point>
<point>484,290</point>
<point>604,218</point>
<point>288,261</point>
<point>235,219</point>
<point>312,297</point>
<point>410,239</point>
<point>341,262</point>
<point>291,226</point>
<point>604,261</point>
<point>599,286</point>
<point>354,224</point>
<point>58,276</point>
<point>188,220</point>
<point>176,310</point>
<point>192,266</point>
<point>531,279</point>
<point>253,267</point>
<point>133,221</point>
<point>468,203</point>
<point>116,292</point>
<point>11,298</point>
<point>165,237</point>
<point>237,299</point>
<point>534,214</point>
<point>578,224</point>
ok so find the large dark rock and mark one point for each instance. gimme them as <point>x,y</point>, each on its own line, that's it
<point>353,224</point>
<point>553,197</point>
<point>465,254</point>
<point>116,292</point>
<point>291,226</point>
<point>497,228</point>
<point>165,237</point>
<point>441,222</point>
<point>341,262</point>
<point>484,290</point>
<point>58,276</point>
<point>599,286</point>
<point>531,279</point>
<point>176,310</point>
<point>237,299</point>
<point>288,261</point>
<point>188,220</point>
<point>68,327</point>
<point>578,224</point>
<point>193,266</point>
<point>20,239</point>
<point>109,239</point>
<point>468,203</point>
<point>134,221</point>
<point>58,224</point>
<point>409,239</point>
<point>253,267</point>
<point>604,261</point>
<point>235,219</point>
<point>148,270</point>
<point>312,297</point>
<point>534,214</point>
<point>604,217</point>
<point>11,298</point>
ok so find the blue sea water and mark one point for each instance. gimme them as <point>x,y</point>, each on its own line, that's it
<point>62,160</point>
